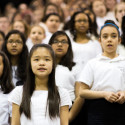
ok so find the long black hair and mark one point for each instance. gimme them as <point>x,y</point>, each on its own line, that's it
<point>72,24</point>
<point>67,59</point>
<point>5,79</point>
<point>123,31</point>
<point>53,100</point>
<point>21,67</point>
<point>94,24</point>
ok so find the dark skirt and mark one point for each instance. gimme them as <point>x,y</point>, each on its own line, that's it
<point>102,112</point>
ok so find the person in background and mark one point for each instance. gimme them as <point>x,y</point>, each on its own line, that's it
<point>36,36</point>
<point>16,50</point>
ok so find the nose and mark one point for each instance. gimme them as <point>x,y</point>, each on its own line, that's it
<point>14,44</point>
<point>41,62</point>
<point>109,39</point>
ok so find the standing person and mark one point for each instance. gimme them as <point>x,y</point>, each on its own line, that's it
<point>103,81</point>
<point>5,88</point>
<point>16,50</point>
<point>36,36</point>
<point>84,48</point>
<point>66,70</point>
<point>39,100</point>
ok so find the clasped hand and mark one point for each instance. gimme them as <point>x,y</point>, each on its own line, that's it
<point>118,97</point>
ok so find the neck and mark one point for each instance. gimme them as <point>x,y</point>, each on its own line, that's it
<point>111,56</point>
<point>14,60</point>
<point>82,38</point>
<point>41,83</point>
<point>58,60</point>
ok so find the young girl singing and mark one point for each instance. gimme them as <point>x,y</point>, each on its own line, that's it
<point>103,81</point>
<point>39,101</point>
<point>5,88</point>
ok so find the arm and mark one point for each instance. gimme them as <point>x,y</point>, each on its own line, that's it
<point>64,111</point>
<point>77,105</point>
<point>86,93</point>
<point>15,115</point>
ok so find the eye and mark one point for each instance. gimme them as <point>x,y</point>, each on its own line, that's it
<point>47,59</point>
<point>113,36</point>
<point>36,59</point>
<point>105,36</point>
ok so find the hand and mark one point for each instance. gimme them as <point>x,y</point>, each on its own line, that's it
<point>121,95</point>
<point>111,96</point>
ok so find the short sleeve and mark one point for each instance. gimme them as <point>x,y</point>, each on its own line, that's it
<point>16,95</point>
<point>87,75</point>
<point>64,97</point>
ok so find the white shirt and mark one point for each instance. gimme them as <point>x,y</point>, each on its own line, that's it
<point>38,106</point>
<point>104,74</point>
<point>84,52</point>
<point>5,108</point>
<point>121,50</point>
<point>66,79</point>
<point>14,75</point>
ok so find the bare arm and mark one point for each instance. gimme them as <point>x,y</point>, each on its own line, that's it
<point>64,111</point>
<point>86,93</point>
<point>78,103</point>
<point>15,115</point>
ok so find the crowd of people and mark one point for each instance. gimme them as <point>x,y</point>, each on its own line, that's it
<point>63,63</point>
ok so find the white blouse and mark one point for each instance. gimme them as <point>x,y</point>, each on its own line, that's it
<point>38,106</point>
<point>5,108</point>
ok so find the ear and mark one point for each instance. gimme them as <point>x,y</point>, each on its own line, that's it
<point>99,40</point>
<point>119,40</point>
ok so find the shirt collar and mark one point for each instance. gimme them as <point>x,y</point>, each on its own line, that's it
<point>118,58</point>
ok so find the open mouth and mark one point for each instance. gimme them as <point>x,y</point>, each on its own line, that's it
<point>41,69</point>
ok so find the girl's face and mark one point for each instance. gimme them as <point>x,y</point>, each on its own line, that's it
<point>99,8</point>
<point>41,62</point>
<point>51,9</point>
<point>14,44</point>
<point>1,41</point>
<point>37,34</point>
<point>1,66</point>
<point>60,46</point>
<point>109,40</point>
<point>19,26</point>
<point>53,23</point>
<point>120,12</point>
<point>81,23</point>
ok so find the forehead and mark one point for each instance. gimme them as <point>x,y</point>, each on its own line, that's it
<point>14,36</point>
<point>41,52</point>
<point>121,6</point>
<point>18,23</point>
<point>81,15</point>
<point>61,37</point>
<point>37,28</point>
<point>109,29</point>
<point>53,17</point>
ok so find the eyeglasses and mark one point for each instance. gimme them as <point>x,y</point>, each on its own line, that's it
<point>16,42</point>
<point>80,21</point>
<point>62,42</point>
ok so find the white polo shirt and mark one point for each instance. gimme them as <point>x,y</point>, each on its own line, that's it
<point>104,74</point>
<point>5,108</point>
